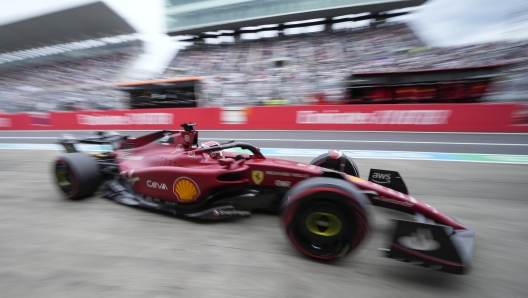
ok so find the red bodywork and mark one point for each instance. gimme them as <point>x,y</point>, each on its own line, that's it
<point>178,170</point>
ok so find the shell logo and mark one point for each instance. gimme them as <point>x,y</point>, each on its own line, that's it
<point>186,189</point>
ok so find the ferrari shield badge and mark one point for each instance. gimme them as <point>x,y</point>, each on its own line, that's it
<point>257,176</point>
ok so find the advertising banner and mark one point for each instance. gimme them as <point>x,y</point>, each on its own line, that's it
<point>492,117</point>
<point>399,117</point>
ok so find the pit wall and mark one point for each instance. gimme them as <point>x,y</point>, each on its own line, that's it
<point>485,117</point>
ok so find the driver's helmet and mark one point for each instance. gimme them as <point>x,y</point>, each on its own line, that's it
<point>214,154</point>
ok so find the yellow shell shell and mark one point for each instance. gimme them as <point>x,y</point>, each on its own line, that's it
<point>186,190</point>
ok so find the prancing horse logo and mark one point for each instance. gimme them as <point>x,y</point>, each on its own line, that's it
<point>257,176</point>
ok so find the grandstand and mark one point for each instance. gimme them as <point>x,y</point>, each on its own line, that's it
<point>65,82</point>
<point>297,69</point>
<point>285,69</point>
<point>65,60</point>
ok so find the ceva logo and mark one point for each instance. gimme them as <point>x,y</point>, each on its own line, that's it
<point>157,185</point>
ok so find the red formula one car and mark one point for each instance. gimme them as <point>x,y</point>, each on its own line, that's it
<point>323,205</point>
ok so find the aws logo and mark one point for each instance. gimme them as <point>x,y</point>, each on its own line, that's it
<point>186,189</point>
<point>381,178</point>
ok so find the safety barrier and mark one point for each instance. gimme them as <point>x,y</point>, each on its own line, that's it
<point>483,117</point>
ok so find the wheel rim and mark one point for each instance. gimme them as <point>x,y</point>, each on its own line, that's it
<point>323,224</point>
<point>321,231</point>
<point>65,177</point>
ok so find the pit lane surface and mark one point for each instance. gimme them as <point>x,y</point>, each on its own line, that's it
<point>51,247</point>
<point>388,141</point>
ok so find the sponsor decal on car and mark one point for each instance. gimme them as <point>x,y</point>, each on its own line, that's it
<point>356,179</point>
<point>186,189</point>
<point>281,183</point>
<point>311,167</point>
<point>286,174</point>
<point>382,178</point>
<point>421,240</point>
<point>159,201</point>
<point>187,138</point>
<point>191,154</point>
<point>129,157</point>
<point>257,176</point>
<point>157,185</point>
<point>393,201</point>
<point>231,213</point>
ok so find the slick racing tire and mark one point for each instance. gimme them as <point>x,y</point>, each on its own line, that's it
<point>325,218</point>
<point>77,174</point>
<point>350,166</point>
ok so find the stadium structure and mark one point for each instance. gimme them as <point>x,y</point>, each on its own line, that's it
<point>196,17</point>
<point>68,59</point>
<point>73,29</point>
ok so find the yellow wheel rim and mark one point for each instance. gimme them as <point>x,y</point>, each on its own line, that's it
<point>62,179</point>
<point>323,224</point>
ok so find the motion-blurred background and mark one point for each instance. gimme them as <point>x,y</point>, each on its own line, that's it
<point>71,54</point>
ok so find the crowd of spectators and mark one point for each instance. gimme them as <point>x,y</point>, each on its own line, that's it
<point>65,82</point>
<point>298,68</point>
<point>288,69</point>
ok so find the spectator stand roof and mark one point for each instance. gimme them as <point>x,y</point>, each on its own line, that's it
<point>91,21</point>
<point>202,16</point>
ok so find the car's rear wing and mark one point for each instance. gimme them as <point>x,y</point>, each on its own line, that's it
<point>68,141</point>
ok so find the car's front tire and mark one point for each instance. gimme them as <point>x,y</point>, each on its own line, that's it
<point>325,218</point>
<point>77,175</point>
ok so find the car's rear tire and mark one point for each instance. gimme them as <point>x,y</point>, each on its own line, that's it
<point>325,218</point>
<point>77,175</point>
<point>350,166</point>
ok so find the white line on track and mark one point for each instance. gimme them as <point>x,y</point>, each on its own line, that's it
<point>323,140</point>
<point>368,141</point>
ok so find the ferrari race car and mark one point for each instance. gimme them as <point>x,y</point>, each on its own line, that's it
<point>323,205</point>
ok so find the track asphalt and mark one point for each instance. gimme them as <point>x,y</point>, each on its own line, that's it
<point>51,247</point>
